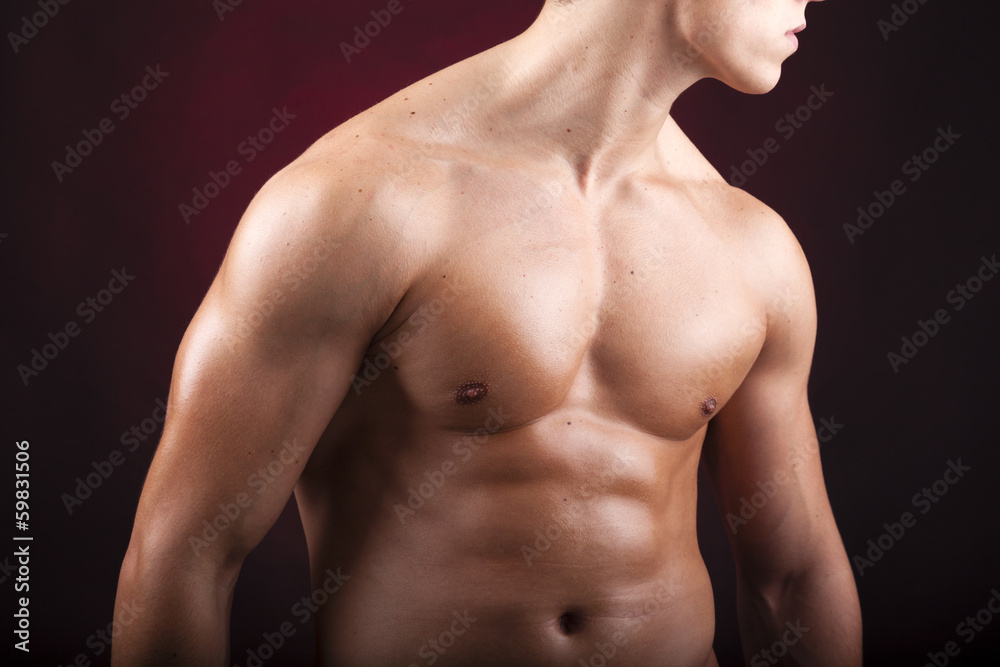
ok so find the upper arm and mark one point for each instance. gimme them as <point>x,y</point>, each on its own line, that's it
<point>264,365</point>
<point>761,449</point>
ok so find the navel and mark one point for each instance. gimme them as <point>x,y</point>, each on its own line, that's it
<point>708,406</point>
<point>471,393</point>
<point>571,622</point>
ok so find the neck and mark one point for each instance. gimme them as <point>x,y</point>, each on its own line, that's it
<point>594,84</point>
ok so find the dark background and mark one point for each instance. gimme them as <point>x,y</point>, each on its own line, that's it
<point>61,240</point>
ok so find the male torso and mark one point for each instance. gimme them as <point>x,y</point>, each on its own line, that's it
<point>511,479</point>
<point>491,319</point>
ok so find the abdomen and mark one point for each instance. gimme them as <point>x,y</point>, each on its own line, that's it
<point>571,539</point>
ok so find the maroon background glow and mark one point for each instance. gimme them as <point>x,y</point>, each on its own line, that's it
<point>119,208</point>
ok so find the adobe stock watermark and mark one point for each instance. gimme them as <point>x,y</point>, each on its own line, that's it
<point>606,651</point>
<point>303,610</point>
<point>105,468</point>
<point>99,642</point>
<point>786,126</point>
<point>248,149</point>
<point>768,488</point>
<point>223,7</point>
<point>544,539</point>
<point>968,629</point>
<point>782,303</point>
<point>258,481</point>
<point>291,279</point>
<point>693,51</point>
<point>122,107</point>
<point>898,17</point>
<point>779,649</point>
<point>543,542</point>
<point>464,449</point>
<point>583,333</point>
<point>31,24</point>
<point>958,297</point>
<point>914,168</point>
<point>386,352</point>
<point>7,570</point>
<point>22,617</point>
<point>923,500</point>
<point>456,117</point>
<point>363,35</point>
<point>542,200</point>
<point>88,309</point>
<point>433,649</point>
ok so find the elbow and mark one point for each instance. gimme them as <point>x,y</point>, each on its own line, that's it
<point>776,584</point>
<point>161,558</point>
<point>809,552</point>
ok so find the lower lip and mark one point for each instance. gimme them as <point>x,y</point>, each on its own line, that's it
<point>793,39</point>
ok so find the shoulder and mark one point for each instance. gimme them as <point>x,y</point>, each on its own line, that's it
<point>770,257</point>
<point>773,257</point>
<point>326,234</point>
<point>776,270</point>
<point>772,268</point>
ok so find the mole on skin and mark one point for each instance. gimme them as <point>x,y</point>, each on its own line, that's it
<point>471,393</point>
<point>708,406</point>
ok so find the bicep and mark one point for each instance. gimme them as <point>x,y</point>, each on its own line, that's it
<point>262,368</point>
<point>761,451</point>
<point>761,456</point>
<point>243,417</point>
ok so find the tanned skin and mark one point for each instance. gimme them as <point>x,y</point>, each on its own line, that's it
<point>485,331</point>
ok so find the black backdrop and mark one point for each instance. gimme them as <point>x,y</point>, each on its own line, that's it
<point>221,71</point>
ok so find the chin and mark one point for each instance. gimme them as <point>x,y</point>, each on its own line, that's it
<point>756,82</point>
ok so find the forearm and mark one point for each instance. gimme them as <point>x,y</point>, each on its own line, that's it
<point>166,616</point>
<point>812,618</point>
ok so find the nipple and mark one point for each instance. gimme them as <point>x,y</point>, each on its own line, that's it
<point>471,392</point>
<point>708,406</point>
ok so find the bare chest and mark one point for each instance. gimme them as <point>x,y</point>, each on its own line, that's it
<point>638,314</point>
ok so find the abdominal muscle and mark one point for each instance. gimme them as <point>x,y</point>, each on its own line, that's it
<point>569,541</point>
